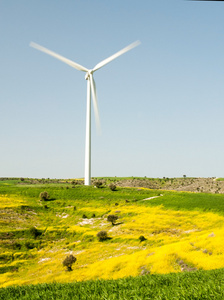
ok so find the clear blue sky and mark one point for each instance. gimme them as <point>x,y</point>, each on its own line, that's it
<point>161,104</point>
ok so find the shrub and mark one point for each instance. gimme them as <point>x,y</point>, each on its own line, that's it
<point>22,179</point>
<point>142,238</point>
<point>69,261</point>
<point>29,245</point>
<point>98,184</point>
<point>112,219</point>
<point>44,196</point>
<point>112,187</point>
<point>16,246</point>
<point>102,235</point>
<point>35,232</point>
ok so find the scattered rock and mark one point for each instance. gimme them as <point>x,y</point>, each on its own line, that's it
<point>211,234</point>
<point>43,260</point>
<point>86,221</point>
<point>150,254</point>
<point>206,252</point>
<point>144,271</point>
<point>184,266</point>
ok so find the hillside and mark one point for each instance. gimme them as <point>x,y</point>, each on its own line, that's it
<point>183,231</point>
<point>203,185</point>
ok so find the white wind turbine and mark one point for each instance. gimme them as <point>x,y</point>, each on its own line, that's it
<point>91,89</point>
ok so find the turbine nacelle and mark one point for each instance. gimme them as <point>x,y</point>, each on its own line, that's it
<point>88,74</point>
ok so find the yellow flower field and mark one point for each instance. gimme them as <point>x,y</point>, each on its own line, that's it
<point>175,241</point>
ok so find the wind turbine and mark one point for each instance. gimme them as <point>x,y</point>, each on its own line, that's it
<point>91,90</point>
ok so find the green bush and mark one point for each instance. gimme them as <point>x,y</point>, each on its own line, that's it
<point>44,196</point>
<point>112,186</point>
<point>35,232</point>
<point>112,219</point>
<point>102,235</point>
<point>142,238</point>
<point>98,184</point>
<point>29,245</point>
<point>69,261</point>
<point>16,246</point>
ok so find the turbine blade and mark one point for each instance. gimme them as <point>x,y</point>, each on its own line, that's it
<point>65,60</point>
<point>109,59</point>
<point>95,103</point>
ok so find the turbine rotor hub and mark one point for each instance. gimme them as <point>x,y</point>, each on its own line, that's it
<point>87,76</point>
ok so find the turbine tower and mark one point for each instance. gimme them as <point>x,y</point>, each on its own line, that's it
<point>91,91</point>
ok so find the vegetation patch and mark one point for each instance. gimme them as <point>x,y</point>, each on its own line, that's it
<point>176,233</point>
<point>194,285</point>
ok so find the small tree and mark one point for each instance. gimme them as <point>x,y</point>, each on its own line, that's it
<point>44,196</point>
<point>69,261</point>
<point>112,219</point>
<point>29,245</point>
<point>102,235</point>
<point>98,183</point>
<point>35,232</point>
<point>112,187</point>
<point>142,238</point>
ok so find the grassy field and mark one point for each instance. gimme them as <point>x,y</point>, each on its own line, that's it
<point>184,232</point>
<point>194,285</point>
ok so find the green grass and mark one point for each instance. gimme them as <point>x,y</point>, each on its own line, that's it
<point>220,179</point>
<point>194,285</point>
<point>64,191</point>
<point>191,201</point>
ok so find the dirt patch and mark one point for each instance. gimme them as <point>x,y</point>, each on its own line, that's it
<point>87,221</point>
<point>152,198</point>
<point>168,231</point>
<point>200,185</point>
